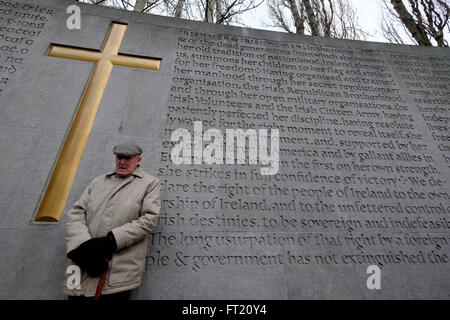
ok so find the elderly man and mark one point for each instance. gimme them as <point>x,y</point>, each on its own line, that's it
<point>107,228</point>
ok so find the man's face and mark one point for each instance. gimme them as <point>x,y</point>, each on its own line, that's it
<point>126,165</point>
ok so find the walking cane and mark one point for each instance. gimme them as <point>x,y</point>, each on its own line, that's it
<point>98,293</point>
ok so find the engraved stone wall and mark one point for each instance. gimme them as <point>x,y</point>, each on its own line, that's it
<point>363,172</point>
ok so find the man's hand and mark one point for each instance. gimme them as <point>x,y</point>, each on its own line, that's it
<point>93,255</point>
<point>104,246</point>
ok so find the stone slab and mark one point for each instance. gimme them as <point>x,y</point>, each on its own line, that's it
<point>364,158</point>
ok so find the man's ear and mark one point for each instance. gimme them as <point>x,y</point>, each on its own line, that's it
<point>139,158</point>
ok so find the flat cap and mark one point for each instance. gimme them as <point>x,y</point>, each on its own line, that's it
<point>128,149</point>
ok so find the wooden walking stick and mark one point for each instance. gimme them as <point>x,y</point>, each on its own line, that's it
<point>98,293</point>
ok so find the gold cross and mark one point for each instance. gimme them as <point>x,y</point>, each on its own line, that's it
<point>65,169</point>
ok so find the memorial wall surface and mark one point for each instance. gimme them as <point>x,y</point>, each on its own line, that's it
<point>346,165</point>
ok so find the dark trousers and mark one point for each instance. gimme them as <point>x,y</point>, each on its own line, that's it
<point>119,296</point>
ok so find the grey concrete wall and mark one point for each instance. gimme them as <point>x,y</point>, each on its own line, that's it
<point>39,95</point>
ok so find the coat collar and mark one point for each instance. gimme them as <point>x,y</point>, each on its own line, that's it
<point>138,172</point>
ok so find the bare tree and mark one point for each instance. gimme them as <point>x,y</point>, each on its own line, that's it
<point>297,15</point>
<point>133,5</point>
<point>328,18</point>
<point>179,8</point>
<point>214,11</point>
<point>140,5</point>
<point>143,5</point>
<point>390,32</point>
<point>279,20</point>
<point>424,21</point>
<point>311,15</point>
<point>218,11</point>
<point>209,11</point>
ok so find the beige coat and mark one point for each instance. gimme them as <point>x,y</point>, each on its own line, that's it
<point>129,207</point>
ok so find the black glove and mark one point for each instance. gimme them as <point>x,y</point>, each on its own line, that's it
<point>104,246</point>
<point>93,255</point>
